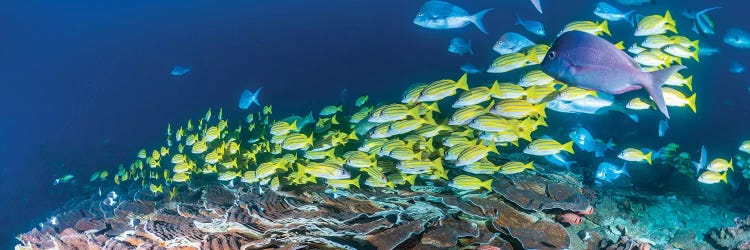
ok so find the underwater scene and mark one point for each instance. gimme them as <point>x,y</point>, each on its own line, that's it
<point>410,124</point>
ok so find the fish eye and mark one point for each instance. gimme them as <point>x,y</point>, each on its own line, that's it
<point>500,42</point>
<point>552,55</point>
<point>420,14</point>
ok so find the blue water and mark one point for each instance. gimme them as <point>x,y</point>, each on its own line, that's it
<point>85,84</point>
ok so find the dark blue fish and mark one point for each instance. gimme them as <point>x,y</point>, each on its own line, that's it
<point>470,68</point>
<point>702,24</point>
<point>701,164</point>
<point>560,160</point>
<point>736,68</point>
<point>663,126</point>
<point>609,172</point>
<point>248,98</point>
<point>443,15</point>
<point>532,26</point>
<point>588,61</point>
<point>179,71</point>
<point>601,147</point>
<point>460,46</point>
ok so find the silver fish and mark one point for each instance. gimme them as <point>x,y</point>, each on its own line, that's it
<point>511,42</point>
<point>738,38</point>
<point>609,172</point>
<point>443,15</point>
<point>609,12</point>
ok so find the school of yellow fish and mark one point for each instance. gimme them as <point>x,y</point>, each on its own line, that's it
<point>417,139</point>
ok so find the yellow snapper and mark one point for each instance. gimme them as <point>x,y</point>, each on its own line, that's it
<point>656,41</point>
<point>440,89</point>
<point>474,153</point>
<point>156,189</point>
<point>295,141</point>
<point>464,115</point>
<point>588,27</point>
<point>199,147</point>
<point>324,170</point>
<point>517,109</point>
<point>655,24</point>
<point>283,128</point>
<point>638,104</point>
<point>685,42</point>
<point>211,134</point>
<point>711,177</point>
<point>393,112</point>
<point>635,155</point>
<point>512,61</point>
<point>482,166</point>
<point>515,167</point>
<point>470,183</point>
<point>678,80</point>
<point>573,93</point>
<point>509,91</point>
<point>538,93</point>
<point>360,115</point>
<point>545,146</point>
<point>343,183</point>
<point>745,146</point>
<point>681,52</point>
<point>411,94</point>
<point>477,95</point>
<point>720,165</point>
<point>229,175</point>
<point>675,98</point>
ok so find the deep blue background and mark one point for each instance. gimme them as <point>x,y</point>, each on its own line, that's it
<point>85,84</point>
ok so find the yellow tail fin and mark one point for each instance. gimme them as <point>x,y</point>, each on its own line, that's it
<point>487,184</point>
<point>668,19</point>
<point>529,165</point>
<point>568,147</point>
<point>462,82</point>
<point>648,157</point>
<point>605,28</point>
<point>724,177</point>
<point>355,181</point>
<point>689,83</point>
<point>293,126</point>
<point>691,103</point>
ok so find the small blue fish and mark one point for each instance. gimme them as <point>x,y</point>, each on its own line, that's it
<point>301,121</point>
<point>179,71</point>
<point>701,164</point>
<point>582,138</point>
<point>702,23</point>
<point>248,98</point>
<point>707,50</point>
<point>738,38</point>
<point>609,12</point>
<point>535,27</point>
<point>443,15</point>
<point>609,172</point>
<point>601,147</point>
<point>511,42</point>
<point>470,68</point>
<point>736,68</point>
<point>663,126</point>
<point>581,59</point>
<point>460,46</point>
<point>560,160</point>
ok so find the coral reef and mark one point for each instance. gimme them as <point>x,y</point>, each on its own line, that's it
<point>734,237</point>
<point>518,213</point>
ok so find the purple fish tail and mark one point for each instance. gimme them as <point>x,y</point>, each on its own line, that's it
<point>654,86</point>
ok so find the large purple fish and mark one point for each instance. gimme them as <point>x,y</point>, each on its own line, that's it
<point>588,61</point>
